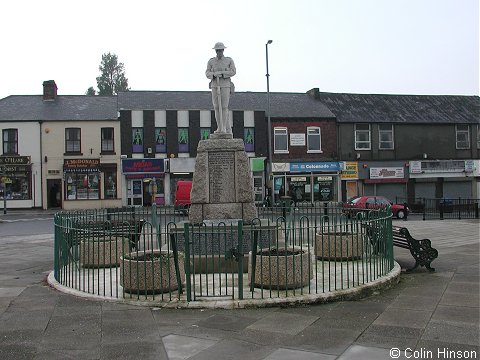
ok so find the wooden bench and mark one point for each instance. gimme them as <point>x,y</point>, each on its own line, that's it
<point>421,250</point>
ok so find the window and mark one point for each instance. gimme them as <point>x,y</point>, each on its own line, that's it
<point>463,136</point>
<point>280,140</point>
<point>160,140</point>
<point>204,133</point>
<point>385,136</point>
<point>137,140</point>
<point>362,137</point>
<point>82,186</point>
<point>249,139</point>
<point>183,140</point>
<point>314,140</point>
<point>107,140</point>
<point>110,186</point>
<point>72,140</point>
<point>478,137</point>
<point>10,141</point>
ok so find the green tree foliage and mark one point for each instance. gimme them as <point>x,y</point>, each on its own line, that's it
<point>112,78</point>
<point>90,91</point>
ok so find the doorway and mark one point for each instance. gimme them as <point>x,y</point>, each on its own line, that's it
<point>54,193</point>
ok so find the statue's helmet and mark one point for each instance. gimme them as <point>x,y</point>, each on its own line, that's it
<point>219,46</point>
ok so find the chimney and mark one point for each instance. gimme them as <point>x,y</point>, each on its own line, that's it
<point>49,90</point>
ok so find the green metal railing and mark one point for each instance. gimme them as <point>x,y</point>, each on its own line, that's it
<point>156,254</point>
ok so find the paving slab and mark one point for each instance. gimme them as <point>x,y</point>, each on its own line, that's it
<point>289,354</point>
<point>180,347</point>
<point>283,322</point>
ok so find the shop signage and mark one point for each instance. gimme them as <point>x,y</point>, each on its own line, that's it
<point>81,165</point>
<point>469,166</point>
<point>280,167</point>
<point>142,166</point>
<point>14,160</point>
<point>415,167</point>
<point>297,139</point>
<point>315,166</point>
<point>350,170</point>
<point>387,173</point>
<point>439,166</point>
<point>4,169</point>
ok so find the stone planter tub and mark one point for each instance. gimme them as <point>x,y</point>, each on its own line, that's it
<point>338,246</point>
<point>150,272</point>
<point>97,252</point>
<point>281,269</point>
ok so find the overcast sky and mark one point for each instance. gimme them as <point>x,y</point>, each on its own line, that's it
<point>354,46</point>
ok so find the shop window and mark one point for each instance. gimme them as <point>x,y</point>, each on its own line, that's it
<point>137,140</point>
<point>160,140</point>
<point>82,186</point>
<point>280,139</point>
<point>204,133</point>
<point>462,136</point>
<point>107,140</point>
<point>10,141</point>
<point>18,188</point>
<point>362,137</point>
<point>314,140</point>
<point>72,140</point>
<point>110,185</point>
<point>183,140</point>
<point>249,139</point>
<point>385,136</point>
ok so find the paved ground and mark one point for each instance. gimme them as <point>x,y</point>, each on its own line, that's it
<point>429,314</point>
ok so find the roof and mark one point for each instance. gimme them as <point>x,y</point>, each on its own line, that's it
<point>64,107</point>
<point>431,109</point>
<point>286,105</point>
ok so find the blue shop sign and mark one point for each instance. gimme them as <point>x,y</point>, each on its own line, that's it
<point>315,166</point>
<point>142,166</point>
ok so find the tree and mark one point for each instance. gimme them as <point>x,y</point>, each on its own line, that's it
<point>112,78</point>
<point>90,91</point>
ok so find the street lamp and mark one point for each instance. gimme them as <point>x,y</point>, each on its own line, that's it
<point>269,125</point>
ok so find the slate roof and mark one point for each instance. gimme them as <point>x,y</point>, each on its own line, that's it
<point>64,107</point>
<point>283,105</point>
<point>431,109</point>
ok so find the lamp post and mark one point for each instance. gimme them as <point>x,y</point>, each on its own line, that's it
<point>269,125</point>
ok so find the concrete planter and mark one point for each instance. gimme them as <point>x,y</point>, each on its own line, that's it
<point>338,246</point>
<point>285,268</point>
<point>102,252</point>
<point>150,272</point>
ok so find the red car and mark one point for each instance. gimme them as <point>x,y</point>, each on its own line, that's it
<point>362,203</point>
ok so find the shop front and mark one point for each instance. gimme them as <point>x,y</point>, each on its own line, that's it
<point>144,181</point>
<point>389,180</point>
<point>87,183</point>
<point>350,183</point>
<point>16,181</point>
<point>307,181</point>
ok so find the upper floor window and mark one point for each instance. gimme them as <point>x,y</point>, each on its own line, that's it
<point>72,140</point>
<point>280,139</point>
<point>137,140</point>
<point>183,140</point>
<point>362,137</point>
<point>10,141</point>
<point>160,140</point>
<point>107,140</point>
<point>249,139</point>
<point>314,139</point>
<point>204,133</point>
<point>462,136</point>
<point>385,136</point>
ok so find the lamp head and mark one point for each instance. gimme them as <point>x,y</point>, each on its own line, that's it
<point>269,41</point>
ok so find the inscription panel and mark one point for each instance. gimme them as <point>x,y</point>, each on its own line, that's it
<point>221,177</point>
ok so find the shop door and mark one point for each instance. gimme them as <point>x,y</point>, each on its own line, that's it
<point>136,193</point>
<point>258,189</point>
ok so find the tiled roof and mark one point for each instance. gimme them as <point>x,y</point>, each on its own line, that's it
<point>64,107</point>
<point>286,105</point>
<point>429,109</point>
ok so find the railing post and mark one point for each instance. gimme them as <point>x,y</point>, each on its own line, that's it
<point>188,280</point>
<point>459,208</point>
<point>240,259</point>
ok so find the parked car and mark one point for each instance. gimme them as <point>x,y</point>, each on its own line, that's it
<point>364,203</point>
<point>182,196</point>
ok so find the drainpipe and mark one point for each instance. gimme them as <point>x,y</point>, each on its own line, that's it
<point>41,166</point>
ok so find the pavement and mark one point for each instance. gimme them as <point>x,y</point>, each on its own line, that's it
<point>426,316</point>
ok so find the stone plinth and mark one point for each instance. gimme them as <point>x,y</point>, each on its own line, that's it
<point>222,183</point>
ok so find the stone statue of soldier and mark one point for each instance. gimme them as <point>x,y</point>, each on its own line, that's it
<point>219,70</point>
